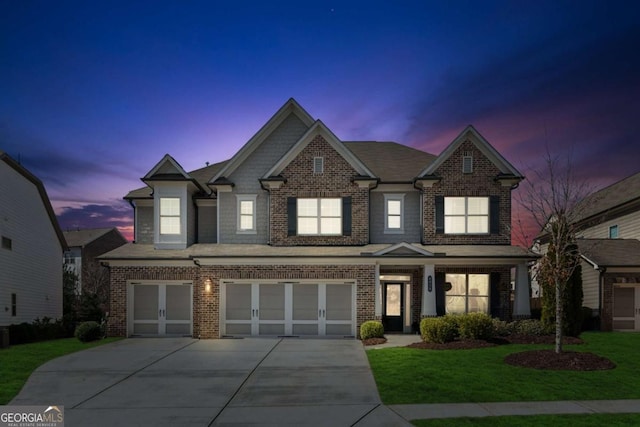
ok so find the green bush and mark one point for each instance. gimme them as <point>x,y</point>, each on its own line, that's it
<point>439,329</point>
<point>371,329</point>
<point>40,330</point>
<point>502,328</point>
<point>88,331</point>
<point>476,326</point>
<point>531,327</point>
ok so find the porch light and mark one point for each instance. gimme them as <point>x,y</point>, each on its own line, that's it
<point>207,285</point>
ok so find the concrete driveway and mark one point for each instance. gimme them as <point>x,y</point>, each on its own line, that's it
<point>183,381</point>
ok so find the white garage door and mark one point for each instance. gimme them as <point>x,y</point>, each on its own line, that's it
<point>160,309</point>
<point>323,308</point>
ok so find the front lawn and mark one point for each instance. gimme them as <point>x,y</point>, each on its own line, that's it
<point>406,375</point>
<point>582,420</point>
<point>19,361</point>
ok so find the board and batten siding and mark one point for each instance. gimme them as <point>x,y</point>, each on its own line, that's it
<point>246,181</point>
<point>32,269</point>
<point>628,228</point>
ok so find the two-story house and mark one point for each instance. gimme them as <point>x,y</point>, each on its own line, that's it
<point>300,233</point>
<point>608,233</point>
<point>31,248</point>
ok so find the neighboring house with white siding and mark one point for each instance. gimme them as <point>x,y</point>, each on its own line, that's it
<point>300,233</point>
<point>608,239</point>
<point>31,249</point>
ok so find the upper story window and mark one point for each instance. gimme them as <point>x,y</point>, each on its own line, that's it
<point>7,243</point>
<point>613,232</point>
<point>319,217</point>
<point>169,215</point>
<point>466,215</point>
<point>246,213</point>
<point>69,258</point>
<point>393,213</point>
<point>318,165</point>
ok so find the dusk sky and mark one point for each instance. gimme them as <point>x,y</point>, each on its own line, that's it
<point>93,94</point>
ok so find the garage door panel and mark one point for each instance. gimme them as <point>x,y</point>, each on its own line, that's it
<point>272,302</point>
<point>238,329</point>
<point>145,302</point>
<point>178,329</point>
<point>160,309</point>
<point>178,303</point>
<point>305,329</point>
<point>305,302</point>
<point>339,302</point>
<point>269,329</point>
<point>342,329</point>
<point>145,328</point>
<point>238,302</point>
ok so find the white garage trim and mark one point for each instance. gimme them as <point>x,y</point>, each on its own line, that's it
<point>288,308</point>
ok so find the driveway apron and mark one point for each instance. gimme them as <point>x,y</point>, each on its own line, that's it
<point>183,381</point>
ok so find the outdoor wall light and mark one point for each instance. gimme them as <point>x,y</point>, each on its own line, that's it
<point>207,285</point>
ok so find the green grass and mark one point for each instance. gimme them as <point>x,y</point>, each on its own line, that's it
<point>19,361</point>
<point>586,420</point>
<point>406,375</point>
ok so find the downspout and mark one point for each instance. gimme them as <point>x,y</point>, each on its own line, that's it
<point>602,271</point>
<point>135,229</point>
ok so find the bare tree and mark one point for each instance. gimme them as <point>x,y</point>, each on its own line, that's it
<point>553,199</point>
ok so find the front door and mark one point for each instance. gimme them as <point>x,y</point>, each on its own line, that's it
<point>393,308</point>
<point>626,307</point>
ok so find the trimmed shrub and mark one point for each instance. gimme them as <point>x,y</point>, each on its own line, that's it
<point>438,329</point>
<point>476,326</point>
<point>502,328</point>
<point>371,329</point>
<point>530,327</point>
<point>88,331</point>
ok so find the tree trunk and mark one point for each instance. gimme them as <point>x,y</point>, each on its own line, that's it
<point>559,316</point>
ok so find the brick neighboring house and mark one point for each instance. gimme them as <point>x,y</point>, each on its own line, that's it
<point>30,250</point>
<point>84,247</point>
<point>300,233</point>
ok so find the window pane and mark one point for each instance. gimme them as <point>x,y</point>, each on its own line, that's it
<point>393,222</point>
<point>307,207</point>
<point>331,226</point>
<point>246,207</point>
<point>454,224</point>
<point>478,224</point>
<point>478,206</point>
<point>170,206</point>
<point>458,284</point>
<point>479,284</point>
<point>307,226</point>
<point>246,222</point>
<point>455,304</point>
<point>393,207</point>
<point>170,225</point>
<point>330,207</point>
<point>454,206</point>
<point>479,304</point>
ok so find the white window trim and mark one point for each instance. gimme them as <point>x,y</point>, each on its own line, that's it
<point>466,216</point>
<point>170,241</point>
<point>243,198</point>
<point>393,197</point>
<point>179,216</point>
<point>319,217</point>
<point>466,295</point>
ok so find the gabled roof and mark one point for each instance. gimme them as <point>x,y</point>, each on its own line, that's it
<point>167,169</point>
<point>610,252</point>
<point>403,249</point>
<point>41,190</point>
<point>319,128</point>
<point>619,194</point>
<point>290,107</point>
<point>471,134</point>
<point>390,161</point>
<point>83,237</point>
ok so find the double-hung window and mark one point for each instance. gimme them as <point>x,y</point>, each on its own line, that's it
<point>466,215</point>
<point>468,293</point>
<point>319,217</point>
<point>393,213</point>
<point>246,213</point>
<point>169,215</point>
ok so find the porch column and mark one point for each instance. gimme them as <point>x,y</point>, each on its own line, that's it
<point>428,291</point>
<point>521,302</point>
<point>378,294</point>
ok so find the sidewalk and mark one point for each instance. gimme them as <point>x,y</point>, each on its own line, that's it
<point>496,409</point>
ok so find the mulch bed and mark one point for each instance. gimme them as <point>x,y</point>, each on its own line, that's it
<point>536,359</point>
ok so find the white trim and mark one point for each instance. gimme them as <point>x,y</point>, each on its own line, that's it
<point>396,198</point>
<point>403,245</point>
<point>246,198</point>
<point>318,165</point>
<point>170,241</point>
<point>167,159</point>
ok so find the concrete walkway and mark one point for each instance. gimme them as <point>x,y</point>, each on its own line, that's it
<point>257,381</point>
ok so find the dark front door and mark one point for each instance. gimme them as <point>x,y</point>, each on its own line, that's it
<point>393,307</point>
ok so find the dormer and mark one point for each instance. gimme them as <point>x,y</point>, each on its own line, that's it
<point>173,209</point>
